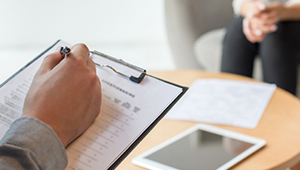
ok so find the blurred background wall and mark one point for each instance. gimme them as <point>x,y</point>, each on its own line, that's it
<point>133,30</point>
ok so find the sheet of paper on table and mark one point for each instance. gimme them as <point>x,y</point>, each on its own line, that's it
<point>220,101</point>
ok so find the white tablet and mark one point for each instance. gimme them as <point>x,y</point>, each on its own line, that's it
<point>201,147</point>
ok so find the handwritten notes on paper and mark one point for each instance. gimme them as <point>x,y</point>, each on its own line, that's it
<point>228,102</point>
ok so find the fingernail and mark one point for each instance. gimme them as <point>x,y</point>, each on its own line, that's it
<point>261,6</point>
<point>258,32</point>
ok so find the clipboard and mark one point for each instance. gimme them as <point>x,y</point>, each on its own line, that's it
<point>138,79</point>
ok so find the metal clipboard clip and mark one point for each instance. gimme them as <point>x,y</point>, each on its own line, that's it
<point>130,77</point>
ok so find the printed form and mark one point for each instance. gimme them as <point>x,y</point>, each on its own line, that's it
<point>220,101</point>
<point>127,110</point>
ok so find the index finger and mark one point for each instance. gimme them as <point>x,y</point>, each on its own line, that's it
<point>81,51</point>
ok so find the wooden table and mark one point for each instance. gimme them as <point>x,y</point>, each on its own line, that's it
<point>279,126</point>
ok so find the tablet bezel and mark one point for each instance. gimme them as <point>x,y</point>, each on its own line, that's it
<point>258,143</point>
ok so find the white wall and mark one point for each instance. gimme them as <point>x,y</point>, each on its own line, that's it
<point>133,30</point>
<point>98,21</point>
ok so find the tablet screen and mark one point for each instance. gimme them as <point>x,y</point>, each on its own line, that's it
<point>199,150</point>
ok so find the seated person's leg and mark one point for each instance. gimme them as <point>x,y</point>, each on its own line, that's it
<point>238,53</point>
<point>280,52</point>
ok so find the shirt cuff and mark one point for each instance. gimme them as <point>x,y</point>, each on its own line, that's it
<point>292,2</point>
<point>40,139</point>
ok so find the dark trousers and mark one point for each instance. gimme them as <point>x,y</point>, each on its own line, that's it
<point>279,53</point>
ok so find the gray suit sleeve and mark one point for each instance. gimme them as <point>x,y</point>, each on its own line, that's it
<point>31,144</point>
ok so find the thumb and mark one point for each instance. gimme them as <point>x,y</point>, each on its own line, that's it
<point>50,62</point>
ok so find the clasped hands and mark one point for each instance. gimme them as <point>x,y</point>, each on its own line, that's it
<point>260,19</point>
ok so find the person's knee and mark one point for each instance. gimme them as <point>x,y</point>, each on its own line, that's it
<point>234,30</point>
<point>287,35</point>
<point>236,24</point>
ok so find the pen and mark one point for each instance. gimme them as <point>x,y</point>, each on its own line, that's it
<point>65,51</point>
